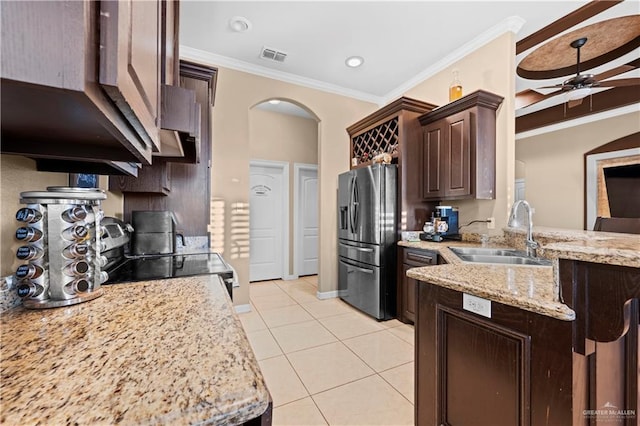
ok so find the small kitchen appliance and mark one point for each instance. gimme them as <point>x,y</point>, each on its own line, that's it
<point>443,225</point>
<point>60,254</point>
<point>116,237</point>
<point>154,232</point>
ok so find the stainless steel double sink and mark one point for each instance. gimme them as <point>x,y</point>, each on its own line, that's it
<point>497,255</point>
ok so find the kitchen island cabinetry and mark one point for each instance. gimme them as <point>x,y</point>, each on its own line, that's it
<point>606,299</point>
<point>410,258</point>
<point>81,81</point>
<point>459,149</point>
<point>514,368</point>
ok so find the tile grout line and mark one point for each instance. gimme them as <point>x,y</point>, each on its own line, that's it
<point>309,394</point>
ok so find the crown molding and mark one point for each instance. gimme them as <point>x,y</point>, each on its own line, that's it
<point>579,121</point>
<point>197,55</point>
<point>512,24</point>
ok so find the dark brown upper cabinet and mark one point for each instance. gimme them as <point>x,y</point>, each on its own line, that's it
<point>395,129</point>
<point>179,111</point>
<point>130,39</point>
<point>459,149</point>
<point>82,84</point>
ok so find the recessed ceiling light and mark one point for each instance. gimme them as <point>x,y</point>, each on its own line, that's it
<point>354,61</point>
<point>239,24</point>
<point>274,101</point>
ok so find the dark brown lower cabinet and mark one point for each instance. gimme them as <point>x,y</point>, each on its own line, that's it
<point>514,368</point>
<point>407,259</point>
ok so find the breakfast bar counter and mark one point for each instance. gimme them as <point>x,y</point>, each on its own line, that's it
<point>153,352</point>
<point>537,345</point>
<point>532,288</point>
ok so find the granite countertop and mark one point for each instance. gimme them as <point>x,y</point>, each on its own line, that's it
<point>610,248</point>
<point>153,352</point>
<point>531,288</point>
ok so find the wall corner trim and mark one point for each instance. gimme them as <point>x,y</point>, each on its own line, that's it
<point>243,309</point>
<point>323,295</point>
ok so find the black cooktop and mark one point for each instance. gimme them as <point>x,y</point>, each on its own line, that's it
<point>156,267</point>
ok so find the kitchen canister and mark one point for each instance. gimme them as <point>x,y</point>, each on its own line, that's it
<point>59,251</point>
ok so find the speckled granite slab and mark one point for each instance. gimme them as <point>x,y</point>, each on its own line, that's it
<point>589,246</point>
<point>612,248</point>
<point>525,287</point>
<point>161,352</point>
<point>623,252</point>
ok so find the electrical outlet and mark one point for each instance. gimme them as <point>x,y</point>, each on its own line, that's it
<point>491,223</point>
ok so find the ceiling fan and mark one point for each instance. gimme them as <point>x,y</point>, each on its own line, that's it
<point>580,85</point>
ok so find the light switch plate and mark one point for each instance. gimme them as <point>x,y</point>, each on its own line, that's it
<point>477,305</point>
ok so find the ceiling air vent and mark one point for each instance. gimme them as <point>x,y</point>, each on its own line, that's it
<point>272,54</point>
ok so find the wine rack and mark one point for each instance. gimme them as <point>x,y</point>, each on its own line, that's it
<point>380,139</point>
<point>391,129</point>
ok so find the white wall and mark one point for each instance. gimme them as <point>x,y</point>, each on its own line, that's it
<point>490,68</point>
<point>237,93</point>
<point>554,167</point>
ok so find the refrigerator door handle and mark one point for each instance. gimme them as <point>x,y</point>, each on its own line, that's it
<point>357,268</point>
<point>352,205</point>
<point>356,204</point>
<point>364,249</point>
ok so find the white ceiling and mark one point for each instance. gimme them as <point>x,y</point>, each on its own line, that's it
<point>401,42</point>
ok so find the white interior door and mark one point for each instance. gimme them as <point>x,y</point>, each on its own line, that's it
<point>307,232</point>
<point>519,189</point>
<point>266,213</point>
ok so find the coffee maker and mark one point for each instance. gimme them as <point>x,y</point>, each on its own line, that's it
<point>443,225</point>
<point>449,214</point>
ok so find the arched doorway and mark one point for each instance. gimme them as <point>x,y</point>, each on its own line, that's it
<point>283,148</point>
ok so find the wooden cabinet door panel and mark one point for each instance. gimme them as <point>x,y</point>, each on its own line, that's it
<point>408,294</point>
<point>432,151</point>
<point>458,154</point>
<point>485,376</point>
<point>130,34</point>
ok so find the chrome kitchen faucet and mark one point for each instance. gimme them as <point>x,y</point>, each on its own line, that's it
<point>513,222</point>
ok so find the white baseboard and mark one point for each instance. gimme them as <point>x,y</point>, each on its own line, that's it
<point>242,309</point>
<point>322,295</point>
<point>290,277</point>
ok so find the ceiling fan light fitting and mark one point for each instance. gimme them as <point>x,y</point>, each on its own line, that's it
<point>575,94</point>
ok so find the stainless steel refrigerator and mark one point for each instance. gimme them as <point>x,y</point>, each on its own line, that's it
<point>367,199</point>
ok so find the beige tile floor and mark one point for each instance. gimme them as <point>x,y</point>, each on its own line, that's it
<point>326,363</point>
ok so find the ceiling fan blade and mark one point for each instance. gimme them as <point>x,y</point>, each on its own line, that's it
<point>629,66</point>
<point>555,86</point>
<point>620,82</point>
<point>529,97</point>
<point>574,103</point>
